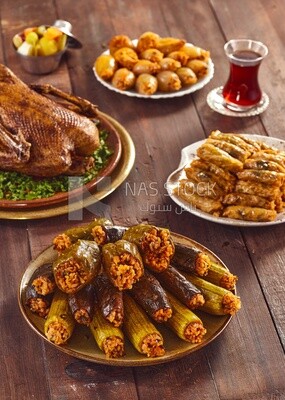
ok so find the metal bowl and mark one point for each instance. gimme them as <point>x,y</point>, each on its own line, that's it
<point>46,64</point>
<point>41,64</point>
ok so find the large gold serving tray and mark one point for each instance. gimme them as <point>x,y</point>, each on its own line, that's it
<point>90,193</point>
<point>82,344</point>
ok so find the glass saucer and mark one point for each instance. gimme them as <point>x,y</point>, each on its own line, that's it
<point>216,102</point>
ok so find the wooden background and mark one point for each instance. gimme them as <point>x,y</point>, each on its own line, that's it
<point>247,361</point>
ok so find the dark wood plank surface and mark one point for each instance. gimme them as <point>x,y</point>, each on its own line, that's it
<point>247,361</point>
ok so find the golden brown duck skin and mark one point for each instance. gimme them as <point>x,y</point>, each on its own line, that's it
<point>40,137</point>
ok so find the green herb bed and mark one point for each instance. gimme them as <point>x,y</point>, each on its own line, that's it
<point>16,186</point>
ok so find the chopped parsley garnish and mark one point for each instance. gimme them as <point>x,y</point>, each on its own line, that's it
<point>17,186</point>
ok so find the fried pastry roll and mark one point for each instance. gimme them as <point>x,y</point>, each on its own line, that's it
<point>272,178</point>
<point>141,332</point>
<point>256,214</point>
<point>123,79</point>
<point>186,76</point>
<point>176,283</point>
<point>119,41</point>
<point>81,304</point>
<point>180,56</point>
<point>122,263</point>
<point>146,84</point>
<point>220,173</point>
<point>105,66</point>
<point>267,156</point>
<point>210,153</point>
<point>209,180</point>
<point>236,140</point>
<point>59,324</point>
<point>155,244</point>
<point>147,40</point>
<point>152,54</point>
<point>110,300</point>
<point>151,296</point>
<point>232,149</point>
<point>187,325</point>
<point>218,300</point>
<point>257,188</point>
<point>77,266</point>
<point>251,200</point>
<point>264,165</point>
<point>280,203</point>
<point>169,44</point>
<point>110,339</point>
<point>169,64</point>
<point>200,67</point>
<point>126,57</point>
<point>195,52</point>
<point>254,143</point>
<point>203,189</point>
<point>191,259</point>
<point>146,67</point>
<point>203,203</point>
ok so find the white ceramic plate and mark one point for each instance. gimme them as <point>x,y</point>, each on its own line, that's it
<point>160,95</point>
<point>187,155</point>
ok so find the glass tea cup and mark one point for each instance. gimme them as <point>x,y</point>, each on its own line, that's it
<point>242,91</point>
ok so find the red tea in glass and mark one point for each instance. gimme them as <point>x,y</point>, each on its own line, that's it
<point>242,89</point>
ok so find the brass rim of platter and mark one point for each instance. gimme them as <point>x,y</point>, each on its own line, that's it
<point>102,190</point>
<point>82,344</point>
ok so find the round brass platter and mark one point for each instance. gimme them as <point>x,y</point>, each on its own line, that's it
<point>82,344</point>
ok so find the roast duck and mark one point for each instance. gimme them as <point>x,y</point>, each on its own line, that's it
<point>44,132</point>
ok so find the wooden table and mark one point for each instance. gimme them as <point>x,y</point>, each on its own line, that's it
<point>247,360</point>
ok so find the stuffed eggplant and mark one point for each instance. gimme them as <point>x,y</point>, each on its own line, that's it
<point>110,300</point>
<point>122,263</point>
<point>82,303</point>
<point>44,282</point>
<point>151,296</point>
<point>155,244</point>
<point>77,266</point>
<point>176,283</point>
<point>37,303</point>
<point>191,259</point>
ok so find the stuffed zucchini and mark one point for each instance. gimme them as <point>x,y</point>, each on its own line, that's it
<point>143,335</point>
<point>110,339</point>
<point>187,325</point>
<point>59,324</point>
